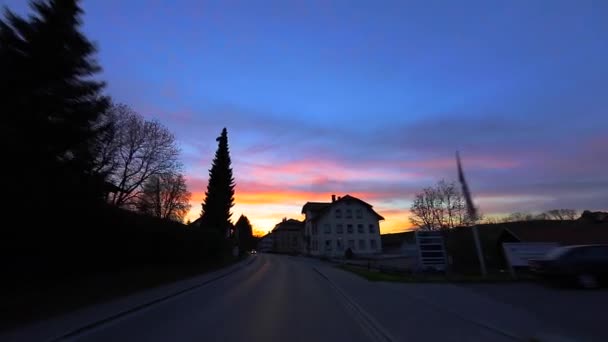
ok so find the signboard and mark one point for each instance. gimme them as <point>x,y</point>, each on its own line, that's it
<point>431,250</point>
<point>518,253</point>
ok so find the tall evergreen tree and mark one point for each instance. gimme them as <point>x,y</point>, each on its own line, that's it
<point>219,198</point>
<point>50,103</point>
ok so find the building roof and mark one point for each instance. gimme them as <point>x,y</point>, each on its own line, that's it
<point>320,208</point>
<point>288,225</point>
<point>315,206</point>
<point>196,223</point>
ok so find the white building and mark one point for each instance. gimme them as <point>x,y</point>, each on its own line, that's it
<point>347,222</point>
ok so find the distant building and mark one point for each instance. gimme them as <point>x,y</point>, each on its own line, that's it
<point>196,223</point>
<point>347,222</point>
<point>266,243</point>
<point>288,236</point>
<point>403,243</point>
<point>594,217</point>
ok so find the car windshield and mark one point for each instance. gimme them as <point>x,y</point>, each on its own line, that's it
<point>557,252</point>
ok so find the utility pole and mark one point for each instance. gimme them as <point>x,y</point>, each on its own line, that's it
<point>472,212</point>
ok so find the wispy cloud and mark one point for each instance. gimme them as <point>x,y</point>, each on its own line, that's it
<point>510,170</point>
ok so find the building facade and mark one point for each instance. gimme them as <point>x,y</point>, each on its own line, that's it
<point>266,243</point>
<point>330,229</point>
<point>288,237</point>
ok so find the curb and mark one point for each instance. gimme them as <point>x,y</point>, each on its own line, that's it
<point>121,314</point>
<point>372,327</point>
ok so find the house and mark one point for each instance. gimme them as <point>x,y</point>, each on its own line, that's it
<point>331,228</point>
<point>266,243</point>
<point>196,223</point>
<point>288,236</point>
<point>594,217</point>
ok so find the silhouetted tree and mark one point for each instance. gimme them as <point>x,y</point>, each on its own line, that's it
<point>522,216</point>
<point>562,214</point>
<point>50,104</point>
<point>165,196</point>
<point>133,150</point>
<point>219,198</point>
<point>244,234</point>
<point>439,207</point>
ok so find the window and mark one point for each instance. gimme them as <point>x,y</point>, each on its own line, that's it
<point>339,245</point>
<point>349,228</point>
<point>372,244</point>
<point>315,230</point>
<point>372,229</point>
<point>349,213</point>
<point>328,245</point>
<point>327,228</point>
<point>339,228</point>
<point>294,241</point>
<point>338,213</point>
<point>361,244</point>
<point>360,228</point>
<point>315,245</point>
<point>359,213</point>
<point>351,244</point>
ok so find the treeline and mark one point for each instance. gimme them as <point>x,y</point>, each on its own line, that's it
<point>64,142</point>
<point>443,207</point>
<point>77,167</point>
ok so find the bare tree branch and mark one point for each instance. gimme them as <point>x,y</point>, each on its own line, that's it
<point>439,207</point>
<point>136,151</point>
<point>165,196</point>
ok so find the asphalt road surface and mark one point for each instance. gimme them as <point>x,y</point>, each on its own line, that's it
<point>276,298</point>
<point>284,298</point>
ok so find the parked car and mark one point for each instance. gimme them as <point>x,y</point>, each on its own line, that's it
<point>586,265</point>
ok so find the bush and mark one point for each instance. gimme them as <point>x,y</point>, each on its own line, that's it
<point>77,241</point>
<point>348,254</point>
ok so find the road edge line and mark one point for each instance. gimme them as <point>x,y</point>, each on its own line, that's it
<point>462,317</point>
<point>377,329</point>
<point>98,323</point>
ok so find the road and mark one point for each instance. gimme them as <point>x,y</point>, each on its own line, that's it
<point>284,298</point>
<point>275,299</point>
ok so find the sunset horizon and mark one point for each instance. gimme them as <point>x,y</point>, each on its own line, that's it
<point>372,100</point>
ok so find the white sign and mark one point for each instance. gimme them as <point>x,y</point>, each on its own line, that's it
<point>518,253</point>
<point>431,250</point>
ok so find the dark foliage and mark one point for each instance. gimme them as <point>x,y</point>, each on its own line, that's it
<point>50,105</point>
<point>244,234</point>
<point>53,123</point>
<point>101,238</point>
<point>219,198</point>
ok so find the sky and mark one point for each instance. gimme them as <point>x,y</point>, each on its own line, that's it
<point>370,98</point>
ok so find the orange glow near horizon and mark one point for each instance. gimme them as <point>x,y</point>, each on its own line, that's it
<point>265,210</point>
<point>267,193</point>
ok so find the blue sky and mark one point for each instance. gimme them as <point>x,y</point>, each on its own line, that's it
<point>371,97</point>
